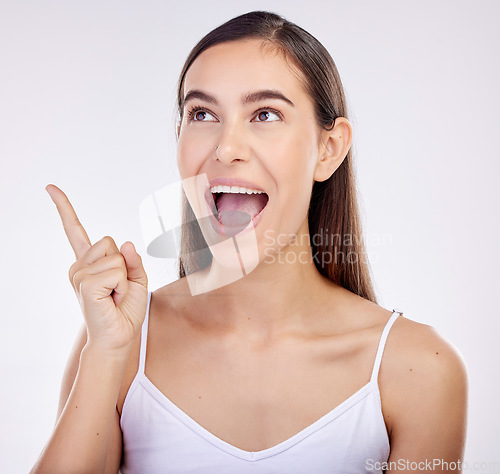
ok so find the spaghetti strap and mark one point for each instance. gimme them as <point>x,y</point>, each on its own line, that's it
<point>381,345</point>
<point>144,338</point>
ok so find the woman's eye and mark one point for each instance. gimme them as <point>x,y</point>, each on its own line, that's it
<point>203,115</point>
<point>266,116</point>
<point>200,115</point>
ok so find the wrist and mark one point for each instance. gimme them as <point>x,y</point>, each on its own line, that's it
<point>102,355</point>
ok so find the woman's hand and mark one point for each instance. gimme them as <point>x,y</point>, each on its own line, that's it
<point>110,284</point>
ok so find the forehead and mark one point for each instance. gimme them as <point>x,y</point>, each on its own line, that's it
<point>236,67</point>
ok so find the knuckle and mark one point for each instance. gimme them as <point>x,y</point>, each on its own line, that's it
<point>108,241</point>
<point>103,242</point>
<point>118,272</point>
<point>117,260</point>
<point>76,279</point>
<point>71,272</point>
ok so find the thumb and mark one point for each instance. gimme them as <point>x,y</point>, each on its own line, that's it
<point>134,265</point>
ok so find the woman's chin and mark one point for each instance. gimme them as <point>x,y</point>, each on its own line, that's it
<point>241,258</point>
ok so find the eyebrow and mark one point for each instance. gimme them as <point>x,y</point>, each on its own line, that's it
<point>257,96</point>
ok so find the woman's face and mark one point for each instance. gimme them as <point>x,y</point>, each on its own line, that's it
<point>249,103</point>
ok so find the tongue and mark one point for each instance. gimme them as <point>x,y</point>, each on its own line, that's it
<point>238,209</point>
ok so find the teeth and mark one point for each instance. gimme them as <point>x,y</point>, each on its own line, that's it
<point>234,189</point>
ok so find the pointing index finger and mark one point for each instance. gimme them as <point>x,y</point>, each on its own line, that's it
<point>75,232</point>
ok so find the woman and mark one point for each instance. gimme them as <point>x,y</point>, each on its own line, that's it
<point>276,364</point>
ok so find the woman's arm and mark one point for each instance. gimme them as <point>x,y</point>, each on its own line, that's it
<point>111,287</point>
<point>425,401</point>
<point>87,404</point>
<point>114,456</point>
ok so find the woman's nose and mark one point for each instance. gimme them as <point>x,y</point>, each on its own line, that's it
<point>232,146</point>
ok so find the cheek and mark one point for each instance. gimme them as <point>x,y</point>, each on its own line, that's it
<point>189,157</point>
<point>293,160</point>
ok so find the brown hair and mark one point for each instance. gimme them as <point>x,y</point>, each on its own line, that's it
<point>333,215</point>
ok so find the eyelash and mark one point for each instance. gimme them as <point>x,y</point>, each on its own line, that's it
<point>195,109</point>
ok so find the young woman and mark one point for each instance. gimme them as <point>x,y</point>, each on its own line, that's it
<point>281,369</point>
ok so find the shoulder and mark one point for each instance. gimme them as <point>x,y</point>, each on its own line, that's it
<point>168,296</point>
<point>423,381</point>
<point>414,354</point>
<point>420,351</point>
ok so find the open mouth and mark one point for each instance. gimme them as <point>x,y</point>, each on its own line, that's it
<point>234,206</point>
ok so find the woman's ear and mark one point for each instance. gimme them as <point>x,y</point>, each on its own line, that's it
<point>335,145</point>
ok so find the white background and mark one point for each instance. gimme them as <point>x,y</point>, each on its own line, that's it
<point>87,102</point>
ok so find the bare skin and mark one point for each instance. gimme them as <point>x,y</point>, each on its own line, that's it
<point>111,286</point>
<point>422,378</point>
<point>283,346</point>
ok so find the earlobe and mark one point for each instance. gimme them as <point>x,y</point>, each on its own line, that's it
<point>335,146</point>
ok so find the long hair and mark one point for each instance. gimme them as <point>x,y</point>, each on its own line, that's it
<point>334,223</point>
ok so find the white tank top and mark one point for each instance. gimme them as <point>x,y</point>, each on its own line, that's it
<point>158,437</point>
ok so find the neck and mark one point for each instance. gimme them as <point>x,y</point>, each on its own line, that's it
<point>280,295</point>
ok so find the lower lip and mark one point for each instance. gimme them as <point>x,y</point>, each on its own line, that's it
<point>230,231</point>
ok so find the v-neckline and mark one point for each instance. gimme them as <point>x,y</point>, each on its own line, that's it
<point>187,420</point>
